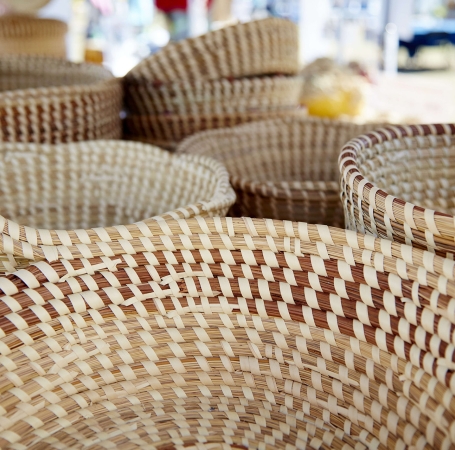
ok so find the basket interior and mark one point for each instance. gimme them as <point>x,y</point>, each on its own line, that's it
<point>417,170</point>
<point>97,184</point>
<point>280,151</point>
<point>38,72</point>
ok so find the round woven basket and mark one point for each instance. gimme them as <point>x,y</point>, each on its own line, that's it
<point>281,169</point>
<point>262,47</point>
<point>231,333</point>
<point>170,129</point>
<point>397,183</point>
<point>75,193</point>
<point>47,100</point>
<point>28,35</point>
<point>213,97</point>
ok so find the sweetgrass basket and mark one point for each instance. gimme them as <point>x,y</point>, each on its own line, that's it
<point>281,169</point>
<point>28,35</point>
<point>262,47</point>
<point>48,100</point>
<point>397,183</point>
<point>168,130</point>
<point>75,194</point>
<point>212,97</point>
<point>231,333</point>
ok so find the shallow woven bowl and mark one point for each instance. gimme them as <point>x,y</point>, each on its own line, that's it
<point>230,333</point>
<point>48,100</point>
<point>168,130</point>
<point>268,46</point>
<point>28,35</point>
<point>398,183</point>
<point>281,169</point>
<point>73,188</point>
<point>212,97</point>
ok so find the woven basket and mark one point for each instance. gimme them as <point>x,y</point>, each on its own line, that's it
<point>282,169</point>
<point>47,100</point>
<point>262,47</point>
<point>28,35</point>
<point>231,333</point>
<point>213,97</point>
<point>397,183</point>
<point>171,129</point>
<point>60,192</point>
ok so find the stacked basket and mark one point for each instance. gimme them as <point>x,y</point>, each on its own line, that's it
<point>397,183</point>
<point>238,74</point>
<point>50,100</point>
<point>281,169</point>
<point>230,333</point>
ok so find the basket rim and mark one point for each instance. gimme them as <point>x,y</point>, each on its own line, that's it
<point>223,196</point>
<point>417,217</point>
<point>12,26</point>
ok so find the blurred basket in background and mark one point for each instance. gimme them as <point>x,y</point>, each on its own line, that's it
<point>28,35</point>
<point>397,183</point>
<point>281,169</point>
<point>79,193</point>
<point>168,130</point>
<point>49,100</point>
<point>231,333</point>
<point>267,47</point>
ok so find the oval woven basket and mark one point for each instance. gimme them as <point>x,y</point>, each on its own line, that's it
<point>262,47</point>
<point>397,183</point>
<point>213,97</point>
<point>28,35</point>
<point>170,129</point>
<point>47,100</point>
<point>281,169</point>
<point>82,192</point>
<point>231,333</point>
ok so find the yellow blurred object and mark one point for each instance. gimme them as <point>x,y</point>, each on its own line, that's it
<point>331,90</point>
<point>93,56</point>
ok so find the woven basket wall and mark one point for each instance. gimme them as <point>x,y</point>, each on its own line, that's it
<point>170,129</point>
<point>213,97</point>
<point>28,35</point>
<point>47,100</point>
<point>75,193</point>
<point>221,333</point>
<point>268,46</point>
<point>398,183</point>
<point>282,169</point>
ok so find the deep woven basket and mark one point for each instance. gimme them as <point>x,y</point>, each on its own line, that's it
<point>77,193</point>
<point>262,47</point>
<point>28,35</point>
<point>398,183</point>
<point>231,333</point>
<point>168,130</point>
<point>213,97</point>
<point>281,169</point>
<point>47,100</point>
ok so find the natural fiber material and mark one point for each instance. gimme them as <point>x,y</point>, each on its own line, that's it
<point>28,35</point>
<point>213,97</point>
<point>281,169</point>
<point>60,192</point>
<point>49,100</point>
<point>397,183</point>
<point>261,47</point>
<point>231,333</point>
<point>173,128</point>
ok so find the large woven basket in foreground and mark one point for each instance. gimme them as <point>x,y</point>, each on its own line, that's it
<point>48,100</point>
<point>398,183</point>
<point>75,194</point>
<point>281,169</point>
<point>231,333</point>
<point>28,35</point>
<point>268,46</point>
